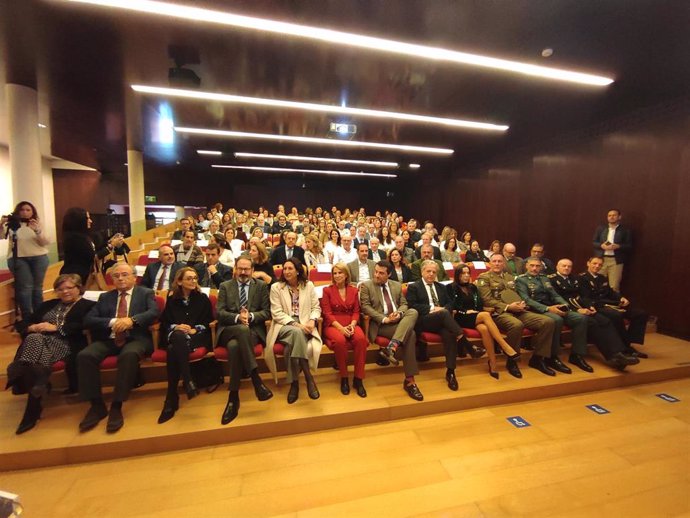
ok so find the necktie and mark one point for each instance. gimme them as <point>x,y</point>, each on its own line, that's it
<point>434,298</point>
<point>387,299</point>
<point>289,253</point>
<point>243,295</point>
<point>121,337</point>
<point>164,274</point>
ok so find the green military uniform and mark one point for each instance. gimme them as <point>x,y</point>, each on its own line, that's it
<point>491,288</point>
<point>539,294</point>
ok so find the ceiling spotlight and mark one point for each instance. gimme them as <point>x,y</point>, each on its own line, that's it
<point>547,53</point>
<point>332,37</point>
<point>314,140</point>
<point>414,166</point>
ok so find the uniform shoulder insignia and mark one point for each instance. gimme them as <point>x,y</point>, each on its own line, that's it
<point>551,275</point>
<point>481,282</point>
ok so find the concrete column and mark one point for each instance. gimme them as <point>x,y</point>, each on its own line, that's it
<point>135,163</point>
<point>179,212</point>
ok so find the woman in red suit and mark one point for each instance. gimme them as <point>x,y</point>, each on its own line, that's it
<point>340,311</point>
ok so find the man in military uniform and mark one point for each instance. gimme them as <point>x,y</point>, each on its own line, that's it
<point>596,291</point>
<point>497,289</point>
<point>600,331</point>
<point>536,290</point>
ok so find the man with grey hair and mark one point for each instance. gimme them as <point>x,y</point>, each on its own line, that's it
<point>427,254</point>
<point>514,264</point>
<point>406,252</point>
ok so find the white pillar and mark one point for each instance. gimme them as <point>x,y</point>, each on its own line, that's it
<point>135,183</point>
<point>179,212</point>
<point>25,150</point>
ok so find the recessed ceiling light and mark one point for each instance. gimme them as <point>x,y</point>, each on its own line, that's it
<point>349,39</point>
<point>42,125</point>
<point>208,152</point>
<point>324,108</point>
<point>317,159</point>
<point>314,140</point>
<point>312,171</point>
<point>414,166</point>
<point>547,53</point>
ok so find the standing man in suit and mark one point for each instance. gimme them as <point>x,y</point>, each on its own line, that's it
<point>427,254</point>
<point>362,268</point>
<point>120,323</point>
<point>383,301</point>
<point>213,273</point>
<point>613,243</point>
<point>284,252</point>
<point>243,308</point>
<point>514,264</point>
<point>158,275</point>
<point>430,298</point>
<point>188,252</point>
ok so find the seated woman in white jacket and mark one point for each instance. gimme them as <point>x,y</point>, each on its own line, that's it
<point>295,311</point>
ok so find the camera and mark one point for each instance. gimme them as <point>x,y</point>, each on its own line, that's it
<point>14,221</point>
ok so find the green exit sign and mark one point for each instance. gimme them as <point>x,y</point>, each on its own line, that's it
<point>150,199</point>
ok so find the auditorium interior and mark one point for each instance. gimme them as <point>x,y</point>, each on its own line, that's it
<point>522,121</point>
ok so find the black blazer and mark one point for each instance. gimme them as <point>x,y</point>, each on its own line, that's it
<point>278,256</point>
<point>406,274</point>
<point>223,273</point>
<point>258,304</point>
<point>197,312</point>
<point>73,327</point>
<point>142,308</point>
<point>622,236</point>
<point>418,298</point>
<point>463,302</point>
<point>79,253</point>
<point>437,252</point>
<point>152,269</point>
<point>479,256</point>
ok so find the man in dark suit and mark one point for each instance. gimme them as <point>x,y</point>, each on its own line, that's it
<point>361,236</point>
<point>362,268</point>
<point>159,275</point>
<point>406,252</point>
<point>415,235</point>
<point>430,298</point>
<point>596,291</point>
<point>288,250</point>
<point>376,254</point>
<point>427,254</point>
<point>212,273</point>
<point>547,266</point>
<point>185,224</point>
<point>383,301</point>
<point>120,323</point>
<point>243,308</point>
<point>281,224</point>
<point>613,243</point>
<point>428,239</point>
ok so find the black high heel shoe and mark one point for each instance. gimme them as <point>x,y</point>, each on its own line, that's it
<point>492,373</point>
<point>191,390</point>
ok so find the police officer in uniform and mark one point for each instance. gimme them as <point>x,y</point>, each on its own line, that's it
<point>600,331</point>
<point>536,290</point>
<point>596,291</point>
<point>497,289</point>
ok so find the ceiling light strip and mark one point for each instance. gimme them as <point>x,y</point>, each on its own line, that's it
<point>316,159</point>
<point>349,39</point>
<point>312,171</point>
<point>314,140</point>
<point>209,152</point>
<point>323,108</point>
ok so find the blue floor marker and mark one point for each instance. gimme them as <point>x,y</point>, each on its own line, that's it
<point>668,397</point>
<point>598,409</point>
<point>518,422</point>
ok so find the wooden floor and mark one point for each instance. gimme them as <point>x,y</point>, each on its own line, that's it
<point>631,462</point>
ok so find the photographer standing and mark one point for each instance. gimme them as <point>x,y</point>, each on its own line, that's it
<point>27,256</point>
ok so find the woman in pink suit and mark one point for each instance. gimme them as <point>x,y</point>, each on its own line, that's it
<point>340,311</point>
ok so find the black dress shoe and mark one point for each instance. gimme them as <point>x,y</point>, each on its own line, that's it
<point>191,390</point>
<point>512,368</point>
<point>93,416</point>
<point>389,354</point>
<point>293,393</point>
<point>115,420</point>
<point>263,393</point>
<point>381,361</point>
<point>556,364</point>
<point>168,412</point>
<point>313,390</point>
<point>452,381</point>
<point>344,386</point>
<point>232,409</point>
<point>476,351</point>
<point>630,351</point>
<point>537,362</point>
<point>580,362</point>
<point>359,387</point>
<point>620,361</point>
<point>413,391</point>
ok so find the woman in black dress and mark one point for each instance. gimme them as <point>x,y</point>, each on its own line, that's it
<point>263,269</point>
<point>54,333</point>
<point>469,313</point>
<point>475,253</point>
<point>398,270</point>
<point>77,245</point>
<point>184,328</point>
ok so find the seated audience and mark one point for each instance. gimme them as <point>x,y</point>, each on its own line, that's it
<point>346,253</point>
<point>226,256</point>
<point>376,253</point>
<point>120,323</point>
<point>188,252</point>
<point>426,252</point>
<point>595,291</point>
<point>385,237</point>
<point>450,254</point>
<point>263,269</point>
<point>399,271</point>
<point>212,273</point>
<point>295,311</point>
<point>313,254</point>
<point>54,332</point>
<point>495,247</point>
<point>281,224</point>
<point>433,305</point>
<point>159,275</point>
<point>185,224</point>
<point>213,228</point>
<point>469,313</point>
<point>235,244</point>
<point>514,264</point>
<point>428,239</point>
<point>184,328</point>
<point>475,253</point>
<point>547,264</point>
<point>406,252</point>
<point>288,250</point>
<point>362,268</point>
<point>341,331</point>
<point>465,241</point>
<point>382,300</point>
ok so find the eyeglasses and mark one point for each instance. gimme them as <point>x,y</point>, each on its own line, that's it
<point>65,288</point>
